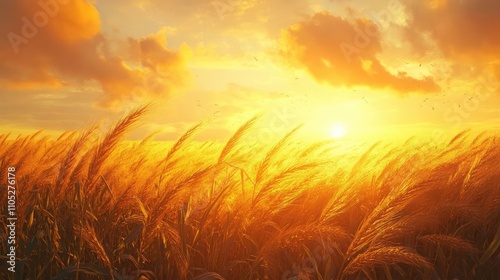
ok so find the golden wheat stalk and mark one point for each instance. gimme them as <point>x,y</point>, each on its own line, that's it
<point>387,256</point>
<point>70,159</point>
<point>233,141</point>
<point>450,242</point>
<point>109,143</point>
<point>94,243</point>
<point>273,152</point>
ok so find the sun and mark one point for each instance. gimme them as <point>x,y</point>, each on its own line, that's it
<point>337,131</point>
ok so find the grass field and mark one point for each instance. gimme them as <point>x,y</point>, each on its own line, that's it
<point>93,206</point>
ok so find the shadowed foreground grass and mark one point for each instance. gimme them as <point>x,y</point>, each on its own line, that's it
<point>91,207</point>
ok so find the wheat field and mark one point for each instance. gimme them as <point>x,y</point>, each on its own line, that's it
<point>92,206</point>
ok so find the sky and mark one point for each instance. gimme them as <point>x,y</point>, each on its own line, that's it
<point>369,68</point>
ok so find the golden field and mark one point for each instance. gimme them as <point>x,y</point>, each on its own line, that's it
<point>93,206</point>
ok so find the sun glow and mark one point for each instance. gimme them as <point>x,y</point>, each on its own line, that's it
<point>338,131</point>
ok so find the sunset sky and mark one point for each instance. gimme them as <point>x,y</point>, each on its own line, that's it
<point>373,67</point>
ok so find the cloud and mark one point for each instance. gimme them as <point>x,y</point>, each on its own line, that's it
<point>466,33</point>
<point>344,53</point>
<point>241,24</point>
<point>464,30</point>
<point>53,43</point>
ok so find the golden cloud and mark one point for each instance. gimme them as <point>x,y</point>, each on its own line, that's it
<point>339,52</point>
<point>52,42</point>
<point>463,30</point>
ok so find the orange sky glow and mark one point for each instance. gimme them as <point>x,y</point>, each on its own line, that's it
<point>359,68</point>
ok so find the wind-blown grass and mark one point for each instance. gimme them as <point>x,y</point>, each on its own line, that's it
<point>105,209</point>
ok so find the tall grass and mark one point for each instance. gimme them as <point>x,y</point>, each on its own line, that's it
<point>101,208</point>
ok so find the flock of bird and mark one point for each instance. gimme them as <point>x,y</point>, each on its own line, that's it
<point>425,101</point>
